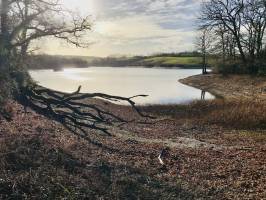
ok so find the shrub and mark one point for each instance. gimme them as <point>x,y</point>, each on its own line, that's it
<point>231,67</point>
<point>237,67</point>
<point>262,69</point>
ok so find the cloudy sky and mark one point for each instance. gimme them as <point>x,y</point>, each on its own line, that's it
<point>134,27</point>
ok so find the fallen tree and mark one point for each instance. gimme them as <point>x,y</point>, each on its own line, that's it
<point>71,109</point>
<point>25,21</point>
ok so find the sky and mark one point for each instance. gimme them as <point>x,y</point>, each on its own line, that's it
<point>133,27</point>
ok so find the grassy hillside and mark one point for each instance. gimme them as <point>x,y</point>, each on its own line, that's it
<point>173,61</point>
<point>150,61</point>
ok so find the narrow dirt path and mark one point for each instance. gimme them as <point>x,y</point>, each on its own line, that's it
<point>179,142</point>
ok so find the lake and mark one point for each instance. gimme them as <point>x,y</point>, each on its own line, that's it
<point>161,85</point>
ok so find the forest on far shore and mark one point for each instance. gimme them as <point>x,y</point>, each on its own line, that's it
<point>57,62</point>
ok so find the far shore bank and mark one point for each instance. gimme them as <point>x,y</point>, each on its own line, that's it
<point>184,61</point>
<point>61,68</point>
<point>231,86</point>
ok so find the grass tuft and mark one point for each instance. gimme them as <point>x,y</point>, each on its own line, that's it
<point>241,114</point>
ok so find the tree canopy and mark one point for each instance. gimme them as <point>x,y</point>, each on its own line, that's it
<point>239,27</point>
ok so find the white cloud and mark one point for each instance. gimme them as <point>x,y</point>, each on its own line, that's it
<point>135,27</point>
<point>132,28</point>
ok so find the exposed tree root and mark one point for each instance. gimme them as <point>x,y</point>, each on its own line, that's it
<point>71,110</point>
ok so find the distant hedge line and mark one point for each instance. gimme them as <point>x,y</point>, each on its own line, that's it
<point>54,62</point>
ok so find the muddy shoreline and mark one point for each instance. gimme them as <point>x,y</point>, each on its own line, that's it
<point>231,86</point>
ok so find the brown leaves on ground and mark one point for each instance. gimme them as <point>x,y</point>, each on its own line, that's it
<point>41,160</point>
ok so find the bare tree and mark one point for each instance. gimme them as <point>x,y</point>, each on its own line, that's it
<point>203,44</point>
<point>255,23</point>
<point>226,13</point>
<point>239,26</point>
<point>34,19</point>
<point>24,21</point>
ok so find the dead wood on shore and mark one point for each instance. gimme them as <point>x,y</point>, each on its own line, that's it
<point>72,111</point>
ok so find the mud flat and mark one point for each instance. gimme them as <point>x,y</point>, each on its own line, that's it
<point>231,86</point>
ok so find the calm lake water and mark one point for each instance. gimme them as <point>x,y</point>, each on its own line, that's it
<point>161,85</point>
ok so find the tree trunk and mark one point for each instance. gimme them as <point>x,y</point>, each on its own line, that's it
<point>4,35</point>
<point>204,64</point>
<point>240,48</point>
<point>4,19</point>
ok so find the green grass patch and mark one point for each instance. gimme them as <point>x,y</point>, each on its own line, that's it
<point>173,60</point>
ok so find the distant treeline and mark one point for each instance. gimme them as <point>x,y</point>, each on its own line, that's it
<point>181,54</point>
<point>54,62</point>
<point>183,60</point>
<point>117,61</point>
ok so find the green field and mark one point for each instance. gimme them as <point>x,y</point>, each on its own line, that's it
<point>150,61</point>
<point>173,60</point>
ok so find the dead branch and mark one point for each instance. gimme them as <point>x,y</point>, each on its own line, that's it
<point>71,110</point>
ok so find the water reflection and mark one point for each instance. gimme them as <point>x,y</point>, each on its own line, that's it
<point>161,85</point>
<point>203,94</point>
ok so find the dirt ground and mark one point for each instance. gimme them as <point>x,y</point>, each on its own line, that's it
<point>40,159</point>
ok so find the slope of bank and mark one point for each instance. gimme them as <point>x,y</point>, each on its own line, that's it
<point>231,86</point>
<point>205,159</point>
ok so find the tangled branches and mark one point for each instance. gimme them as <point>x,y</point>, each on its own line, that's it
<point>72,111</point>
